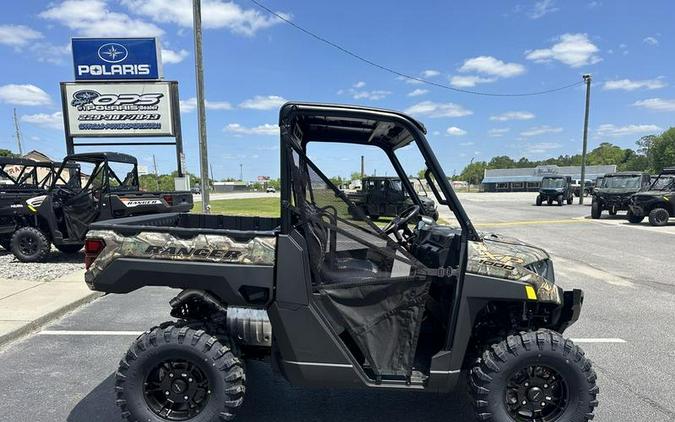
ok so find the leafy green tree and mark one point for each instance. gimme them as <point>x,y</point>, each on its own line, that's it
<point>6,153</point>
<point>474,172</point>
<point>356,175</point>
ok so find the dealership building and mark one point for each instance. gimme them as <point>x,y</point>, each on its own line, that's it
<point>529,179</point>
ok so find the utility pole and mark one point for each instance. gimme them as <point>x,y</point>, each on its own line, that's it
<point>241,172</point>
<point>18,133</point>
<point>587,79</point>
<point>154,162</point>
<point>363,167</point>
<point>201,109</point>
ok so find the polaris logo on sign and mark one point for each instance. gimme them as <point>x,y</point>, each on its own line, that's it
<point>116,58</point>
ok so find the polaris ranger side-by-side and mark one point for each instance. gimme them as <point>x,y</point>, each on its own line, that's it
<point>555,188</point>
<point>382,196</point>
<point>332,300</point>
<point>86,188</point>
<point>656,203</point>
<point>615,192</point>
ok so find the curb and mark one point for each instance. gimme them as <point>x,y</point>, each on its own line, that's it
<point>46,319</point>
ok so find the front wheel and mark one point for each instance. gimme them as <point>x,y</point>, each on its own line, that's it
<point>29,244</point>
<point>538,200</point>
<point>173,373</point>
<point>635,219</point>
<point>534,376</point>
<point>659,217</point>
<point>596,210</point>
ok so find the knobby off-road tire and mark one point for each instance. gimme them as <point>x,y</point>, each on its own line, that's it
<point>538,200</point>
<point>69,248</point>
<point>174,361</point>
<point>29,244</point>
<point>556,371</point>
<point>634,219</point>
<point>596,210</point>
<point>658,217</point>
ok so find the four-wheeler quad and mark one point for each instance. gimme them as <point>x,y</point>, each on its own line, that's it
<point>556,188</point>
<point>331,300</point>
<point>385,197</point>
<point>615,192</point>
<point>657,203</point>
<point>86,188</point>
<point>21,179</point>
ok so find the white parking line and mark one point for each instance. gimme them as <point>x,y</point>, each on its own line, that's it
<point>137,333</point>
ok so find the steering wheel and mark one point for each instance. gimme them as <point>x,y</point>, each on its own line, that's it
<point>401,222</point>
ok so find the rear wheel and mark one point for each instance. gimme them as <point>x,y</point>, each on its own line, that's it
<point>635,219</point>
<point>534,376</point>
<point>596,210</point>
<point>29,244</point>
<point>69,248</point>
<point>173,373</point>
<point>659,217</point>
<point>538,200</point>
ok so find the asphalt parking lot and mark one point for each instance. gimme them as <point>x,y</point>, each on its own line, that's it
<point>65,372</point>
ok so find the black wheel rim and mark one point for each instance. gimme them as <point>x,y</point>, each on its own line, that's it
<point>28,246</point>
<point>662,217</point>
<point>176,390</point>
<point>536,393</point>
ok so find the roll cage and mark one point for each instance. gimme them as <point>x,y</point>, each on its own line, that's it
<point>102,173</point>
<point>23,173</point>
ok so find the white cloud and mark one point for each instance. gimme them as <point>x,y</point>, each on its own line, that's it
<point>541,147</point>
<point>542,8</point>
<point>574,50</point>
<point>417,92</point>
<point>374,95</point>
<point>189,105</point>
<point>466,144</point>
<point>430,73</point>
<point>92,18</point>
<point>359,84</point>
<point>18,36</point>
<point>215,14</point>
<point>656,104</point>
<point>432,109</point>
<point>408,80</point>
<point>52,121</point>
<point>460,81</point>
<point>513,115</point>
<point>47,52</point>
<point>266,129</point>
<point>171,56</point>
<point>613,130</point>
<point>650,41</point>
<point>631,85</point>
<point>492,66</point>
<point>455,131</point>
<point>27,95</point>
<point>263,102</point>
<point>540,130</point>
<point>498,132</point>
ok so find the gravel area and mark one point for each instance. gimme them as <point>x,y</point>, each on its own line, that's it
<point>56,265</point>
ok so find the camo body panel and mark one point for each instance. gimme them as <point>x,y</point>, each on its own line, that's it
<point>501,257</point>
<point>152,245</point>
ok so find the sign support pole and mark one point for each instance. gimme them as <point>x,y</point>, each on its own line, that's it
<point>201,109</point>
<point>587,79</point>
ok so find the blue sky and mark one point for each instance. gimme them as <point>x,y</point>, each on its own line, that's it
<point>254,62</point>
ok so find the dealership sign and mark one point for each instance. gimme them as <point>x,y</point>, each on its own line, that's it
<point>98,59</point>
<point>119,109</point>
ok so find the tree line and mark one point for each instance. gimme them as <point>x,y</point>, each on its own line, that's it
<point>653,154</point>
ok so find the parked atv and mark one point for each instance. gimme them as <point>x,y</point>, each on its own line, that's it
<point>555,188</point>
<point>332,300</point>
<point>385,197</point>
<point>86,188</point>
<point>615,192</point>
<point>657,203</point>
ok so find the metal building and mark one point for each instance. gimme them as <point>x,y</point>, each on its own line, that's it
<point>529,179</point>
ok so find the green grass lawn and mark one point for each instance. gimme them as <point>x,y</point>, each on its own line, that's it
<point>261,207</point>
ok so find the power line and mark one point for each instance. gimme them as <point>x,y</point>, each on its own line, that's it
<point>401,74</point>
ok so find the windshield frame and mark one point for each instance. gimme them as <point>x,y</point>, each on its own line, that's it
<point>636,178</point>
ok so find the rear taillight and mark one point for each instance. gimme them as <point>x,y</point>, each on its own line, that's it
<point>92,248</point>
<point>168,199</point>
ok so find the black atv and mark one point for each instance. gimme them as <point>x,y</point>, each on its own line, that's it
<point>335,301</point>
<point>21,179</point>
<point>382,196</point>
<point>657,203</point>
<point>86,188</point>
<point>555,188</point>
<point>615,191</point>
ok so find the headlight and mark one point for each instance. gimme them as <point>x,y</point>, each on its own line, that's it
<point>543,269</point>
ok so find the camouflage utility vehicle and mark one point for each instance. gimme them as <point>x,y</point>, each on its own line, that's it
<point>657,203</point>
<point>20,179</point>
<point>385,197</point>
<point>331,300</point>
<point>555,188</point>
<point>614,193</point>
<point>86,188</point>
